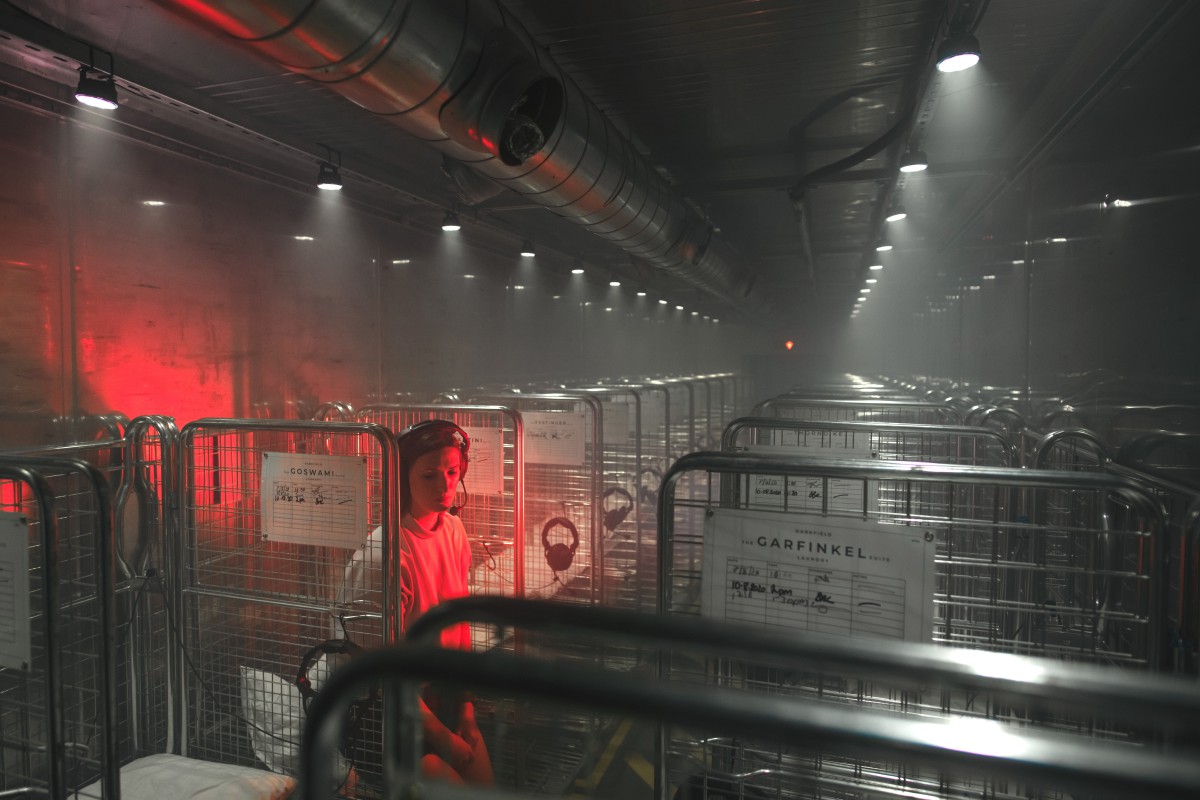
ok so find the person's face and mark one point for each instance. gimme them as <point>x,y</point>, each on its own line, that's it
<point>433,480</point>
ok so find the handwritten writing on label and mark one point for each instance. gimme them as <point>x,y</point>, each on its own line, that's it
<point>786,595</point>
<point>554,437</point>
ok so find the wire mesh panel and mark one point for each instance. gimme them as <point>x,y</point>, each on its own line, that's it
<point>1025,561</point>
<point>563,479</point>
<point>1008,560</point>
<point>493,513</point>
<point>652,402</point>
<point>272,514</point>
<point>1079,449</point>
<point>940,444</point>
<point>57,619</point>
<point>831,410</point>
<point>705,429</point>
<point>681,417</point>
<point>626,539</point>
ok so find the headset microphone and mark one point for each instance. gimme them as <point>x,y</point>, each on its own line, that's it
<point>457,507</point>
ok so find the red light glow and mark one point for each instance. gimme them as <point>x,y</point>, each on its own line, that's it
<point>789,344</point>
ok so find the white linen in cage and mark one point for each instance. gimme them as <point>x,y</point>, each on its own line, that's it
<point>273,711</point>
<point>164,776</point>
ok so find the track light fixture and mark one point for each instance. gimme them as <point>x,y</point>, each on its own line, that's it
<point>914,161</point>
<point>896,214</point>
<point>450,222</point>
<point>328,177</point>
<point>958,51</point>
<point>96,88</point>
<point>527,250</point>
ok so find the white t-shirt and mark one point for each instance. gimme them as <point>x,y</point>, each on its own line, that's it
<point>434,566</point>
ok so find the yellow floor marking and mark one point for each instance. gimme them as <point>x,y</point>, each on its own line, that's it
<point>644,769</point>
<point>610,752</point>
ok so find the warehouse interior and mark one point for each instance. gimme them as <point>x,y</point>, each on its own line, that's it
<point>673,270</point>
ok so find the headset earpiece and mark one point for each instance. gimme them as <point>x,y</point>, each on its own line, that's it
<point>558,555</point>
<point>331,647</point>
<point>646,493</point>
<point>613,517</point>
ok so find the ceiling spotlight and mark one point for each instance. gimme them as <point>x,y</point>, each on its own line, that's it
<point>876,266</point>
<point>527,250</point>
<point>896,214</point>
<point>328,178</point>
<point>914,161</point>
<point>450,222</point>
<point>958,51</point>
<point>614,282</point>
<point>882,248</point>
<point>662,302</point>
<point>641,294</point>
<point>96,89</point>
<point>679,308</point>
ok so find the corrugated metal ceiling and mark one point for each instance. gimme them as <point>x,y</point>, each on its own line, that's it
<point>713,94</point>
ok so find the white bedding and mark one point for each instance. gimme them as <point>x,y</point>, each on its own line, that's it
<point>170,777</point>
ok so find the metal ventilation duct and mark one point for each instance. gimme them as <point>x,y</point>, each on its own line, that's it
<point>466,77</point>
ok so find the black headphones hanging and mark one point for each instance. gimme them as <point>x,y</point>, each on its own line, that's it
<point>613,517</point>
<point>367,759</point>
<point>649,493</point>
<point>558,555</point>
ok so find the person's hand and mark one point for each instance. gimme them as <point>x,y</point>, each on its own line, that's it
<point>468,729</point>
<point>458,752</point>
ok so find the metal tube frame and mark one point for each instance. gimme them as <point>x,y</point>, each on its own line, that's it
<point>1078,766</point>
<point>31,470</point>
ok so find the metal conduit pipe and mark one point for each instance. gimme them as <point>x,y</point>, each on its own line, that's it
<point>466,77</point>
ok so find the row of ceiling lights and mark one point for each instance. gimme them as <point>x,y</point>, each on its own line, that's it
<point>451,223</point>
<point>958,51</point>
<point>98,89</point>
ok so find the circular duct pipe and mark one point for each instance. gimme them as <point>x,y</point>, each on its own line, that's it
<point>467,78</point>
